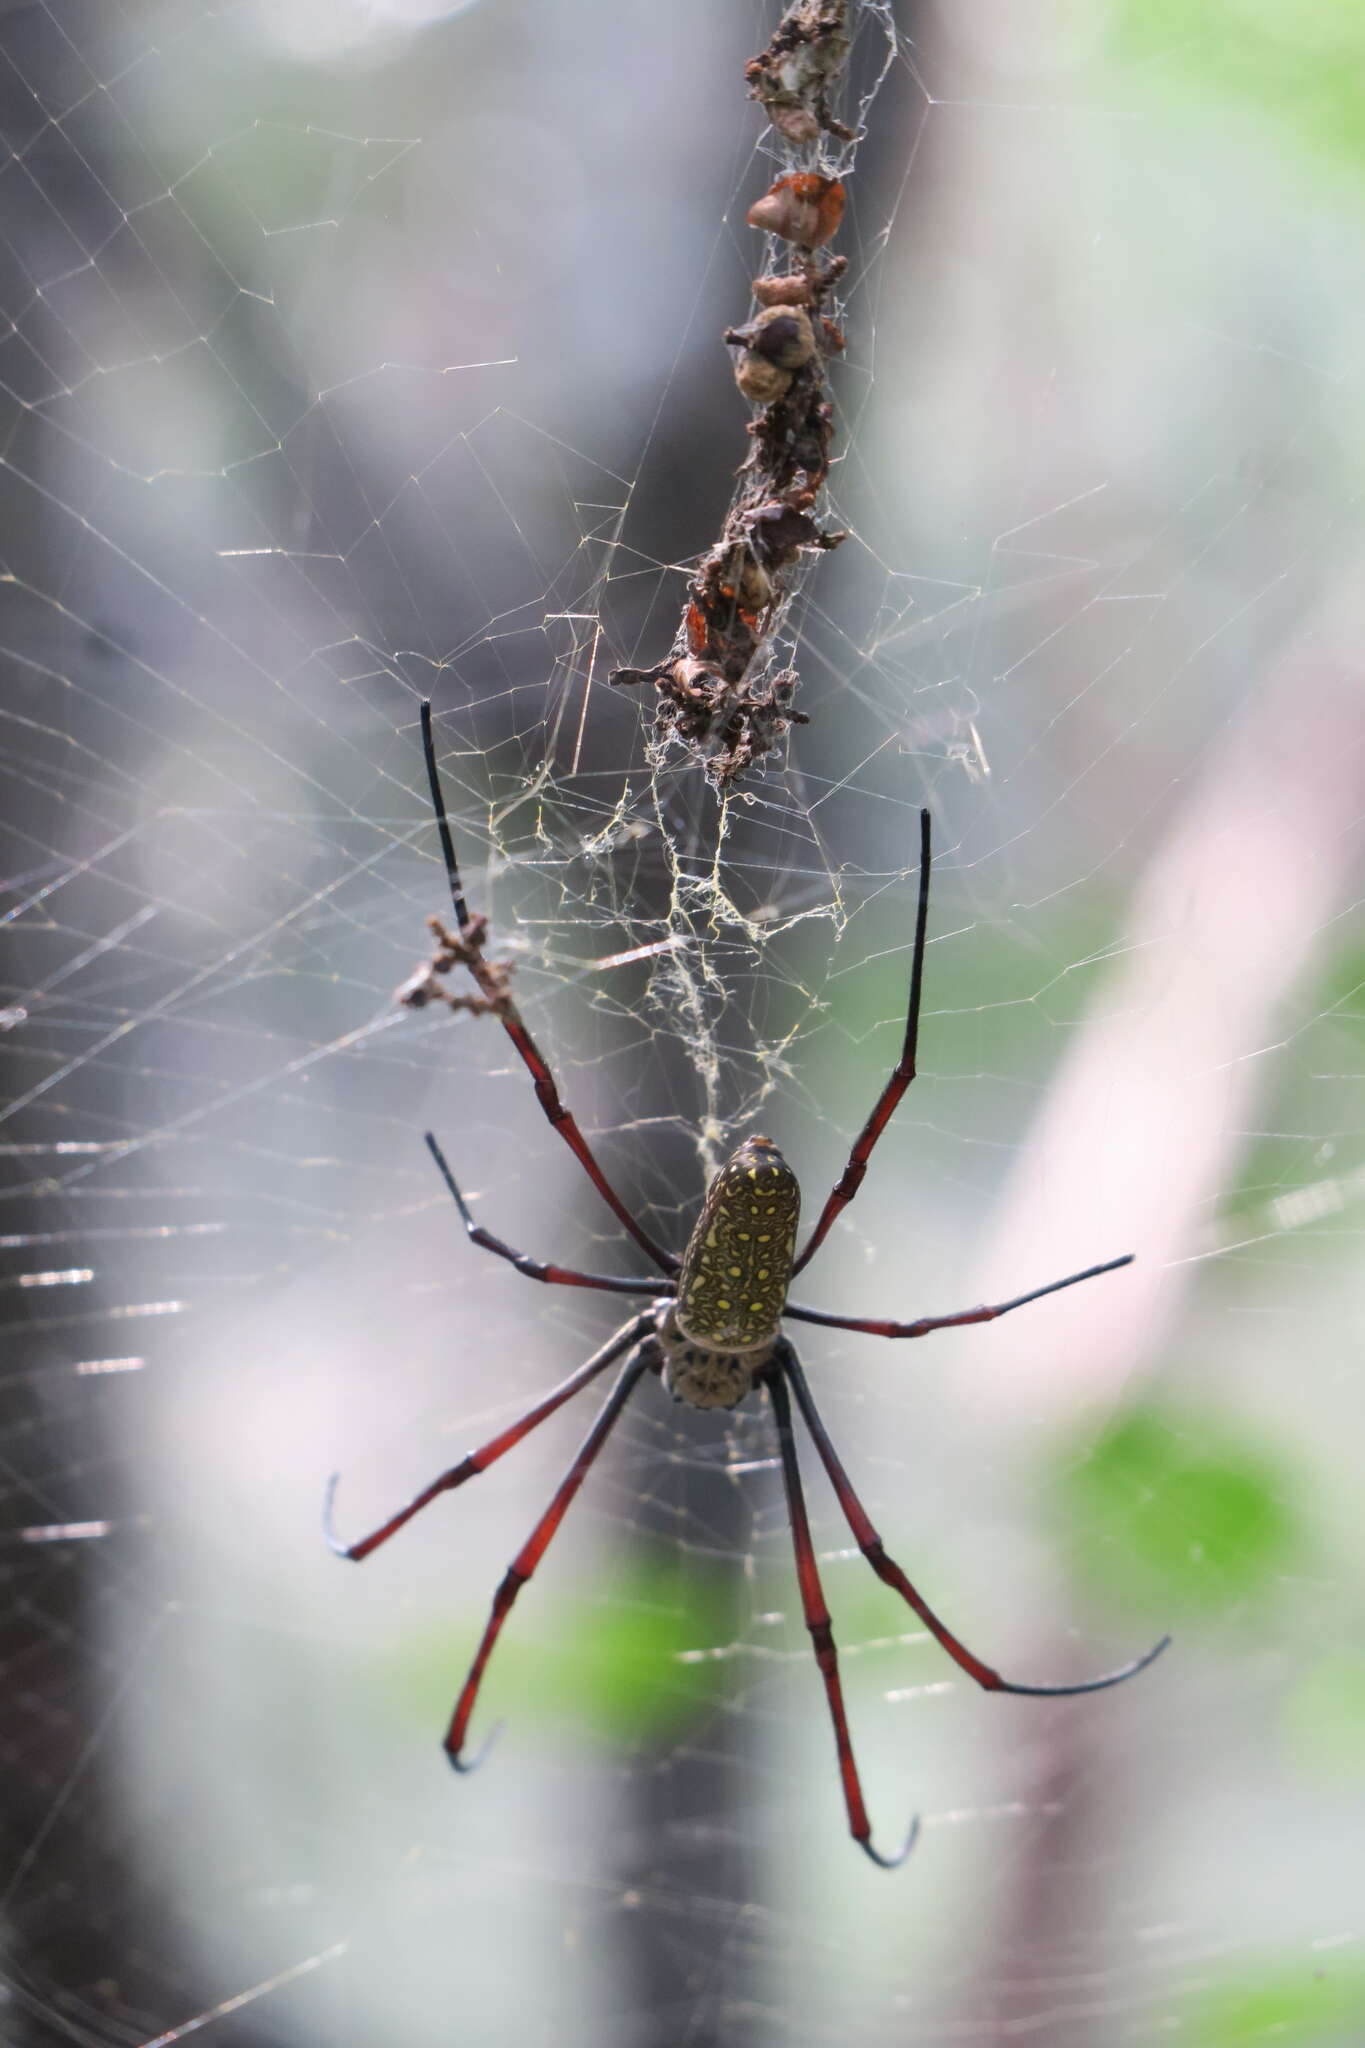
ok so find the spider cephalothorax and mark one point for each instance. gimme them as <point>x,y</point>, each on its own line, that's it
<point>713,1331</point>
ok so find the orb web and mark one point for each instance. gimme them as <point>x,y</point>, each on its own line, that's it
<point>365,354</point>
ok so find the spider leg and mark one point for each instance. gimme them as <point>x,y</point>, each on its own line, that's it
<point>925,1324</point>
<point>536,1269</point>
<point>523,1566</point>
<point>479,1461</point>
<point>560,1118</point>
<point>818,1622</point>
<point>851,1178</point>
<point>886,1568</point>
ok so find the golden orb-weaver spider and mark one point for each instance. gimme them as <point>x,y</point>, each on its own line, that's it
<point>713,1333</point>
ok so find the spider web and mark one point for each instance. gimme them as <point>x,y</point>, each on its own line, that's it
<point>368,352</point>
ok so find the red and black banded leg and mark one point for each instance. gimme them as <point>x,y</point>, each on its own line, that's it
<point>821,1633</point>
<point>560,1118</point>
<point>523,1566</point>
<point>923,1326</point>
<point>489,1453</point>
<point>536,1269</point>
<point>886,1568</point>
<point>851,1178</point>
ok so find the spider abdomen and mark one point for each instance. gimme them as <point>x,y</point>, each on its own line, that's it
<point>735,1272</point>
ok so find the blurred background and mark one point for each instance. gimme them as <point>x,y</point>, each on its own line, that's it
<point>362,351</point>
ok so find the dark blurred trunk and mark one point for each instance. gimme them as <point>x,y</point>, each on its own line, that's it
<point>697,1835</point>
<point>59,1838</point>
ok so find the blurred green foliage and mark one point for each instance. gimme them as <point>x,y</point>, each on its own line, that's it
<point>1325,1718</point>
<point>1000,999</point>
<point>1297,66</point>
<point>1341,991</point>
<point>1170,1512</point>
<point>620,1671</point>
<point>606,1654</point>
<point>1282,1160</point>
<point>1321,2000</point>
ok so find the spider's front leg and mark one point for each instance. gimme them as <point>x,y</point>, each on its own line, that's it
<point>492,983</point>
<point>851,1179</point>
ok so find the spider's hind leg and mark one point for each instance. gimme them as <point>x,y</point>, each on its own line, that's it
<point>523,1565</point>
<point>497,1447</point>
<point>818,1622</point>
<point>886,1568</point>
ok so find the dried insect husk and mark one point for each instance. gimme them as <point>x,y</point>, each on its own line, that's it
<point>792,78</point>
<point>798,124</point>
<point>746,585</point>
<point>781,333</point>
<point>761,380</point>
<point>692,679</point>
<point>802,207</point>
<point>755,585</point>
<point>792,290</point>
<point>777,530</point>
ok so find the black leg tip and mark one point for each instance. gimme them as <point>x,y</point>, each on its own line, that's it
<point>892,1862</point>
<point>329,1534</point>
<point>1110,1678</point>
<point>466,1766</point>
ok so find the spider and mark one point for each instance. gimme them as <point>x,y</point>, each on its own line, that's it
<point>713,1332</point>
